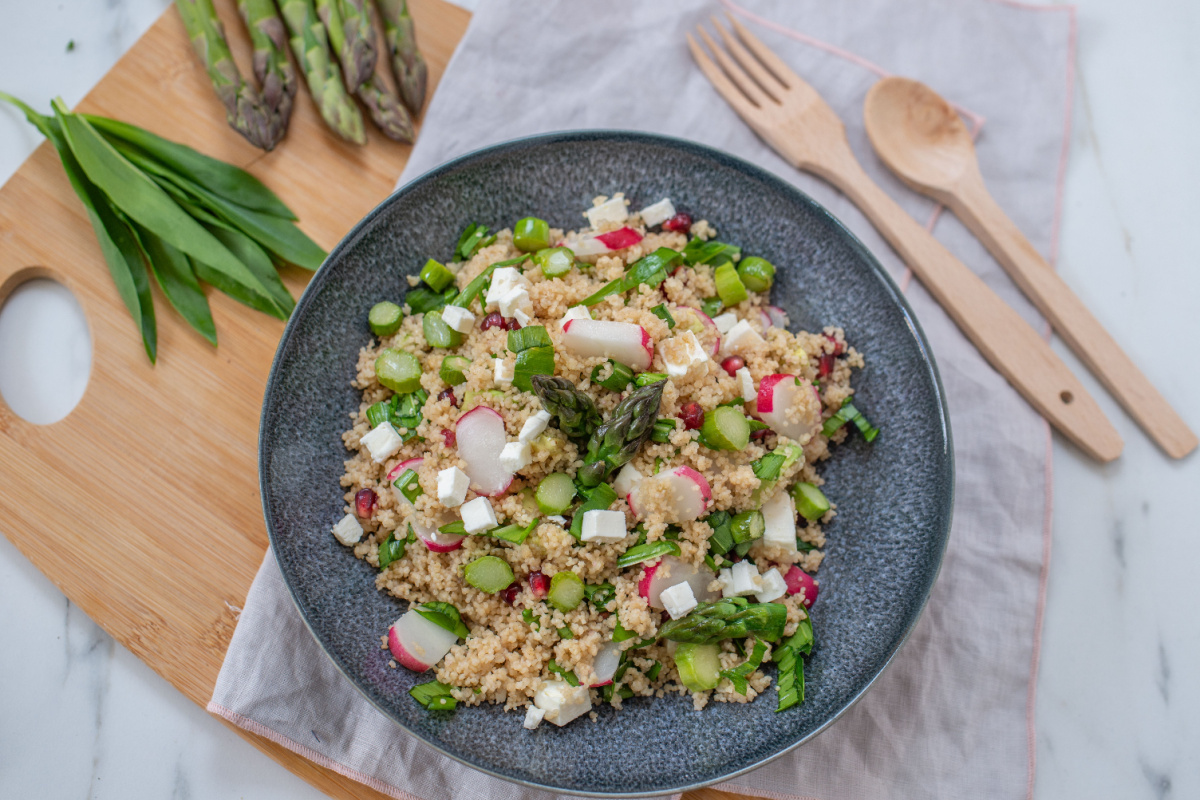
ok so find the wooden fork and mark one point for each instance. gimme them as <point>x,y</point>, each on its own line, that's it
<point>791,117</point>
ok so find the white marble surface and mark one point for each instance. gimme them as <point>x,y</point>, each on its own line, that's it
<point>1116,713</point>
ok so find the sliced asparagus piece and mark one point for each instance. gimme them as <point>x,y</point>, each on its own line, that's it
<point>274,70</point>
<point>311,48</point>
<point>407,61</point>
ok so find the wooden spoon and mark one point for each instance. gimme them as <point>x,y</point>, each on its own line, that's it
<point>922,139</point>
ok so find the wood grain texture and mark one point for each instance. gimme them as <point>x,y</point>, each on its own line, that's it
<point>161,532</point>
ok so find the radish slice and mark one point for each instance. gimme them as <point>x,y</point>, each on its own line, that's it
<point>777,395</point>
<point>397,471</point>
<point>606,663</point>
<point>620,238</point>
<point>670,571</point>
<point>779,317</point>
<point>623,341</point>
<point>418,643</point>
<point>798,581</point>
<point>436,541</point>
<point>480,437</point>
<point>766,319</point>
<point>698,323</point>
<point>596,245</point>
<point>682,492</point>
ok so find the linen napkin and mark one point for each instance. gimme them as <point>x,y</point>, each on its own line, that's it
<point>953,715</point>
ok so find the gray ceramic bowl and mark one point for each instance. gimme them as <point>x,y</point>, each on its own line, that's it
<point>894,496</point>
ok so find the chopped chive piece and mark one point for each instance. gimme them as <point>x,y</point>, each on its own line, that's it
<point>385,318</point>
<point>710,562</point>
<point>599,594</point>
<point>710,252</point>
<point>436,275</point>
<point>725,428</point>
<point>791,667</point>
<point>554,261</point>
<point>756,273</point>
<point>652,673</point>
<point>567,675</point>
<point>699,665</point>
<point>456,528</point>
<point>741,548</point>
<point>566,591</point>
<point>601,497</point>
<point>848,413</point>
<point>422,299</point>
<point>662,312</point>
<point>768,467</point>
<point>620,634</point>
<point>454,370</point>
<point>398,370</point>
<point>608,690</point>
<point>810,501</point>
<point>408,485</point>
<point>647,552</point>
<point>804,546</point>
<point>741,672</point>
<point>530,619</point>
<point>730,288</point>
<point>555,493</point>
<point>471,240</point>
<point>445,616</point>
<point>488,574</point>
<point>647,378</point>
<point>438,333</point>
<point>392,549</point>
<point>747,526</point>
<point>712,306</point>
<point>475,288</point>
<point>663,428</point>
<point>721,541</point>
<point>532,361</point>
<point>434,696</point>
<point>531,336</point>
<point>619,375</point>
<point>381,412</point>
<point>565,633</point>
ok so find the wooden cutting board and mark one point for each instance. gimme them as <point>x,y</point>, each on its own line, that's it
<point>142,505</point>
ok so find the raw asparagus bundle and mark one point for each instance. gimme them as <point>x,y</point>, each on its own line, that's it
<point>310,44</point>
<point>407,61</point>
<point>274,70</point>
<point>189,218</point>
<point>618,440</point>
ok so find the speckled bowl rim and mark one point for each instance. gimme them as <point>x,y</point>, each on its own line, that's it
<point>696,149</point>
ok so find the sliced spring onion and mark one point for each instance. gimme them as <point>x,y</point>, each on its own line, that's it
<point>741,548</point>
<point>711,252</point>
<point>381,412</point>
<point>555,493</point>
<point>472,238</point>
<point>565,633</point>
<point>531,336</point>
<point>530,234</point>
<point>599,594</point>
<point>730,288</point>
<point>725,428</point>
<point>768,467</point>
<point>532,361</point>
<point>662,312</point>
<point>599,497</point>
<point>566,591</point>
<point>422,299</point>
<point>721,541</point>
<point>647,378</point>
<point>810,501</point>
<point>385,318</point>
<point>398,370</point>
<point>456,528</point>
<point>392,549</point>
<point>489,574</point>
<point>438,333</point>
<point>747,526</point>
<point>454,370</point>
<point>445,616</point>
<point>567,675</point>
<point>650,269</point>
<point>647,552</point>
<point>619,376</point>
<point>738,675</point>
<point>554,261</point>
<point>663,428</point>
<point>408,485</point>
<point>652,673</point>
<point>407,414</point>
<point>791,667</point>
<point>434,696</point>
<point>514,533</point>
<point>619,632</point>
<point>436,275</point>
<point>848,413</point>
<point>756,273</point>
<point>712,306</point>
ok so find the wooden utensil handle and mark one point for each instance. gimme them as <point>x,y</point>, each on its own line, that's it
<point>1009,344</point>
<point>1082,332</point>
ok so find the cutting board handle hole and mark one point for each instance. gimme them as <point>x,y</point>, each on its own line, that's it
<point>45,347</point>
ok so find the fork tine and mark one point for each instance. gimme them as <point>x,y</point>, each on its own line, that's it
<point>736,74</point>
<point>772,62</point>
<point>720,82</point>
<point>770,84</point>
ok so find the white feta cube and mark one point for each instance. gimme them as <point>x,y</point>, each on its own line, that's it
<point>504,280</point>
<point>563,702</point>
<point>348,531</point>
<point>603,526</point>
<point>657,213</point>
<point>749,393</point>
<point>744,580</point>
<point>558,519</point>
<point>522,317</point>
<point>516,298</point>
<point>452,485</point>
<point>610,212</point>
<point>681,353</point>
<point>503,373</point>
<point>534,426</point>
<point>774,587</point>
<point>779,518</point>
<point>678,600</point>
<point>516,456</point>
<point>740,338</point>
<point>627,478</point>
<point>533,718</point>
<point>478,515</point>
<point>725,578</point>
<point>383,442</point>
<point>575,312</point>
<point>725,321</point>
<point>460,319</point>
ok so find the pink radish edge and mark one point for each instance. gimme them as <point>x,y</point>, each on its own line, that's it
<point>708,322</point>
<point>448,541</point>
<point>647,577</point>
<point>620,238</point>
<point>696,478</point>
<point>798,581</point>
<point>401,655</point>
<point>766,392</point>
<point>396,471</point>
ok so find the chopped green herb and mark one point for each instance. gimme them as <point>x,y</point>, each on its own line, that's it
<point>392,549</point>
<point>599,594</point>
<point>599,497</point>
<point>409,485</point>
<point>530,362</point>
<point>567,675</point>
<point>445,616</point>
<point>741,672</point>
<point>721,541</point>
<point>422,299</point>
<point>662,312</point>
<point>650,269</point>
<point>768,467</point>
<point>565,633</point>
<point>434,696</point>
<point>663,428</point>
<point>848,413</point>
<point>804,546</point>
<point>711,252</point>
<point>619,375</point>
<point>647,552</point>
<point>530,619</point>
<point>514,533</point>
<point>647,378</point>
<point>620,634</point>
<point>475,288</point>
<point>456,528</point>
<point>527,337</point>
<point>610,689</point>
<point>473,237</point>
<point>712,306</point>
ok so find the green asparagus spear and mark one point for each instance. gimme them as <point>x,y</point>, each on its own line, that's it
<point>244,108</point>
<point>616,441</point>
<point>407,61</point>
<point>386,110</point>
<point>576,413</point>
<point>311,48</point>
<point>274,70</point>
<point>709,623</point>
<point>352,44</point>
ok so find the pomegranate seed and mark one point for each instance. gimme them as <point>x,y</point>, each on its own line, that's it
<point>733,364</point>
<point>825,364</point>
<point>493,320</point>
<point>449,437</point>
<point>510,324</point>
<point>509,595</point>
<point>539,583</point>
<point>448,394</point>
<point>364,503</point>
<point>838,347</point>
<point>692,415</point>
<point>681,222</point>
<point>761,433</point>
